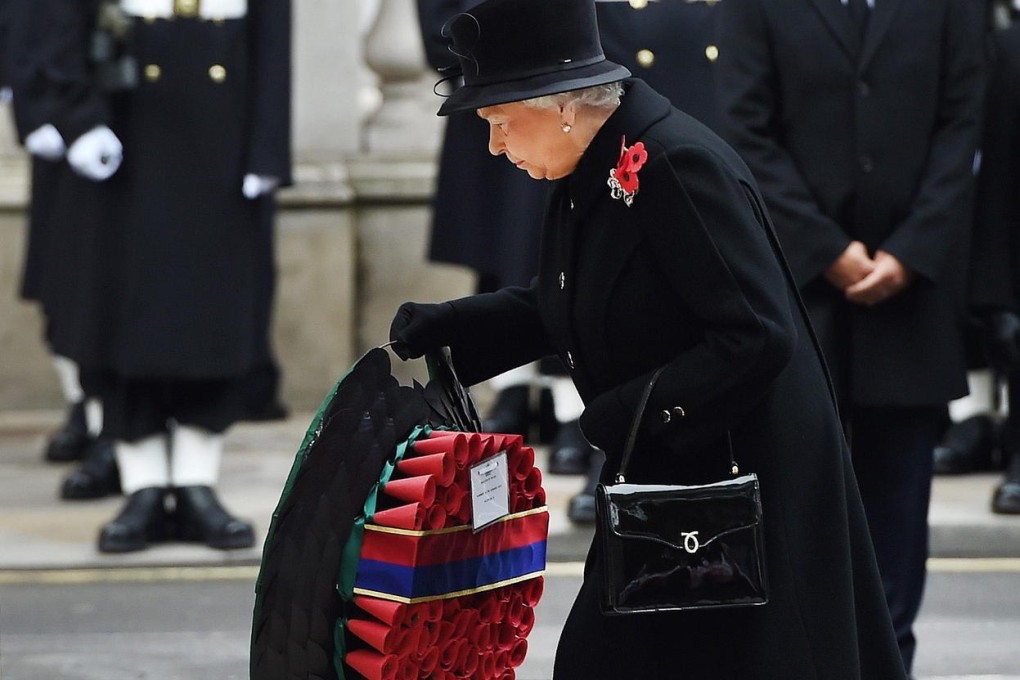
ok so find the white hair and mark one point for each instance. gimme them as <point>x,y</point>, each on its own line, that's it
<point>598,97</point>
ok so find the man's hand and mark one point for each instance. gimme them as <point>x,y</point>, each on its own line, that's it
<point>888,278</point>
<point>850,267</point>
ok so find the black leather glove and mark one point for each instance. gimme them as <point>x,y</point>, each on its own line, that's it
<point>1002,340</point>
<point>418,328</point>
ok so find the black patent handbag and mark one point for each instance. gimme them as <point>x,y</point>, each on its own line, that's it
<point>674,548</point>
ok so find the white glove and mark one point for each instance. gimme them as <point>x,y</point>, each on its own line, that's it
<point>96,154</point>
<point>257,185</point>
<point>46,143</point>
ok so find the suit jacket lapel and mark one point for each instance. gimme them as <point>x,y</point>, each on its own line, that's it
<point>878,25</point>
<point>838,20</point>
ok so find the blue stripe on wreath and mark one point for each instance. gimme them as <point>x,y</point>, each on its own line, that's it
<point>452,577</point>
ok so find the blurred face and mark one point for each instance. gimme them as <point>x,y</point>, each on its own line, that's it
<point>532,138</point>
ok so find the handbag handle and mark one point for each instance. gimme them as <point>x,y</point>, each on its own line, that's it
<point>639,413</point>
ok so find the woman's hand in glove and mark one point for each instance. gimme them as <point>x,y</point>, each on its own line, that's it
<point>418,328</point>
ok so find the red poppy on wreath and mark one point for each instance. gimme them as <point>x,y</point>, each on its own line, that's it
<point>623,179</point>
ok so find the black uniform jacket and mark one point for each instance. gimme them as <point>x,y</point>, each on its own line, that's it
<point>995,268</point>
<point>686,278</point>
<point>49,74</point>
<point>867,139</point>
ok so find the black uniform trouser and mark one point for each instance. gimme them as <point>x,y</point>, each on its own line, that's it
<point>892,456</point>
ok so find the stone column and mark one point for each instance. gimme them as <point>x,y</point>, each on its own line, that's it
<point>405,121</point>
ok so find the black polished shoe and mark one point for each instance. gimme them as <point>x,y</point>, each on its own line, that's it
<point>1006,499</point>
<point>97,476</point>
<point>511,413</point>
<point>967,446</point>
<point>581,509</point>
<point>571,452</point>
<point>143,520</point>
<point>71,440</point>
<point>199,517</point>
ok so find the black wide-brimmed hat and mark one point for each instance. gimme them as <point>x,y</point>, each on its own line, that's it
<point>511,50</point>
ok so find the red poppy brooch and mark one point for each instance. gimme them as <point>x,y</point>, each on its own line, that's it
<point>623,179</point>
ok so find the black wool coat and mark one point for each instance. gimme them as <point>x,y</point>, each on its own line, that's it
<point>686,278</point>
<point>995,264</point>
<point>50,75</point>
<point>872,140</point>
<point>172,264</point>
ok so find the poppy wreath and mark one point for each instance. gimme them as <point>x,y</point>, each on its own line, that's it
<point>371,566</point>
<point>429,597</point>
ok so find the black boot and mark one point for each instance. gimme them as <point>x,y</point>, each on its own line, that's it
<point>582,506</point>
<point>143,520</point>
<point>511,414</point>
<point>70,441</point>
<point>967,446</point>
<point>1006,499</point>
<point>199,517</point>
<point>571,452</point>
<point>97,476</point>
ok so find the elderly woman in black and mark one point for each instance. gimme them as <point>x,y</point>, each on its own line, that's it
<point>656,253</point>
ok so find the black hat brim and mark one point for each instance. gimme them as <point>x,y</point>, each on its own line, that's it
<point>473,97</point>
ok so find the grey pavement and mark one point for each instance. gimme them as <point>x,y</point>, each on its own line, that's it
<point>38,531</point>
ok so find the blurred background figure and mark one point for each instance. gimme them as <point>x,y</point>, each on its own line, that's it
<point>668,43</point>
<point>168,314</point>
<point>201,91</point>
<point>995,265</point>
<point>860,121</point>
<point>50,109</point>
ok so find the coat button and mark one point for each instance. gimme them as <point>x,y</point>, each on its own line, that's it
<point>679,411</point>
<point>571,204</point>
<point>867,165</point>
<point>645,58</point>
<point>186,8</point>
<point>217,73</point>
<point>666,415</point>
<point>711,52</point>
<point>570,360</point>
<point>863,88</point>
<point>153,72</point>
<point>563,280</point>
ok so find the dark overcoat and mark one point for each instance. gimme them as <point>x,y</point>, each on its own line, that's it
<point>212,104</point>
<point>51,81</point>
<point>686,278</point>
<point>872,140</point>
<point>995,264</point>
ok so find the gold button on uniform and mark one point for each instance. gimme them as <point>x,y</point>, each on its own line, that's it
<point>153,72</point>
<point>186,8</point>
<point>217,73</point>
<point>712,52</point>
<point>646,58</point>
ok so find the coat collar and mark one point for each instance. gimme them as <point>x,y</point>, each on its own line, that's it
<point>640,107</point>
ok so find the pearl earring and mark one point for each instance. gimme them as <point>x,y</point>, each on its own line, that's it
<point>566,128</point>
